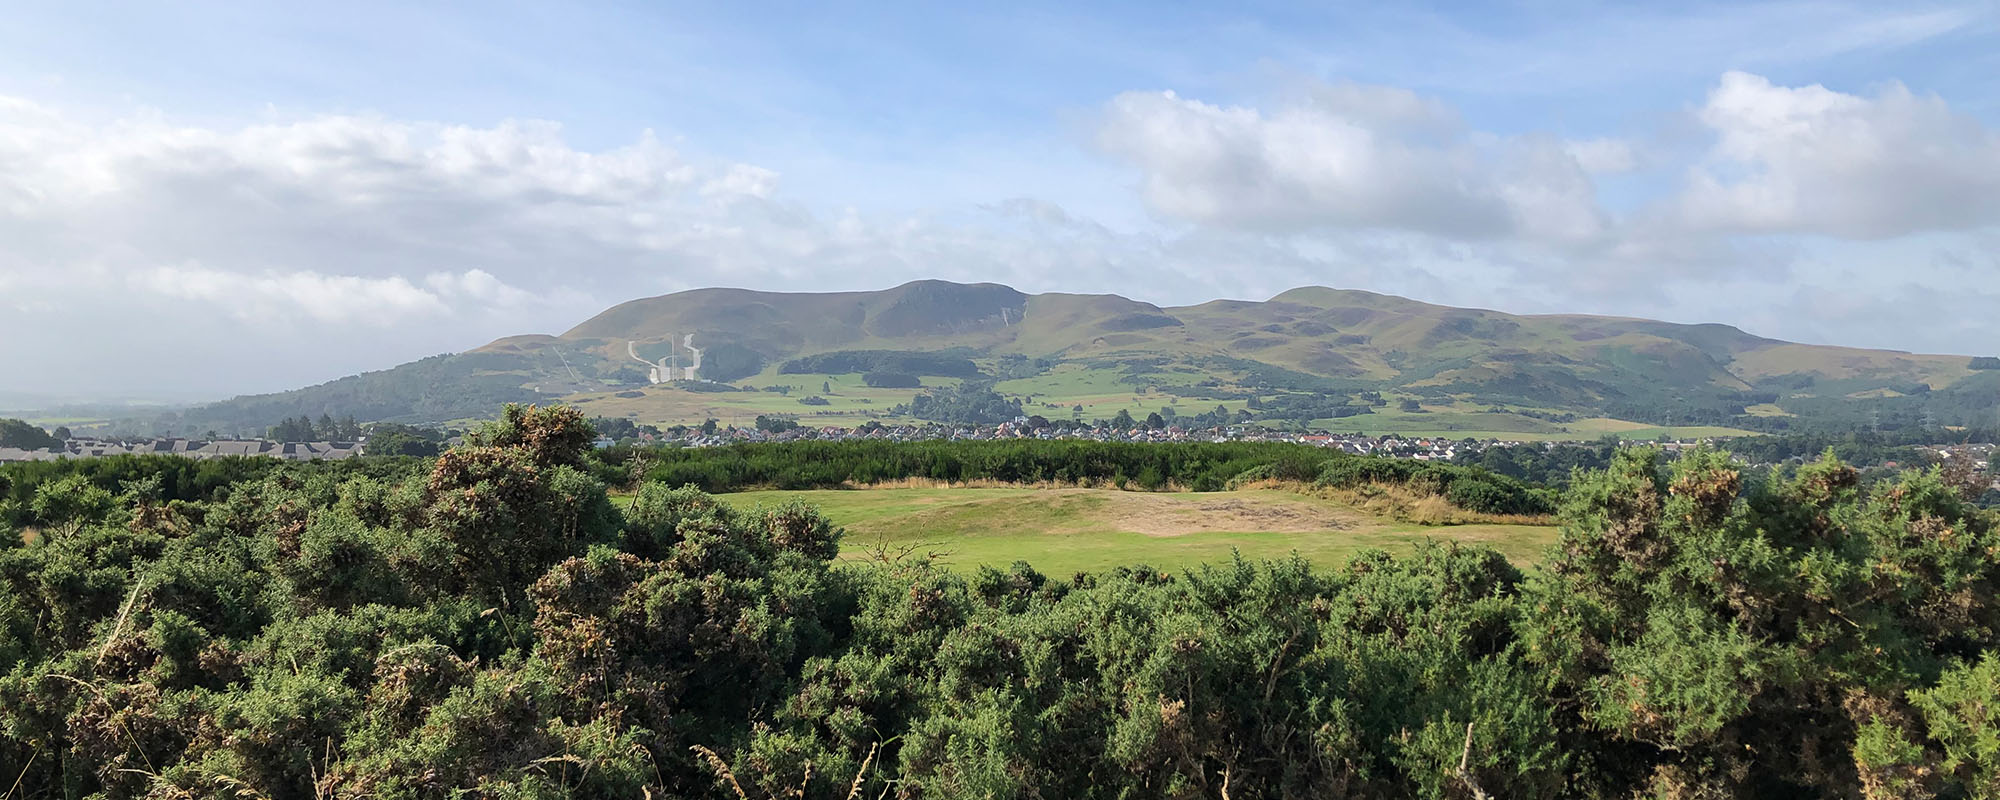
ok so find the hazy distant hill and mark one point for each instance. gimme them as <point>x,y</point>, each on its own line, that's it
<point>1311,339</point>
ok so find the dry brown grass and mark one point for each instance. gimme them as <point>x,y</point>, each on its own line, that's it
<point>1402,503</point>
<point>977,483</point>
<point>724,774</point>
<point>1159,514</point>
<point>988,483</point>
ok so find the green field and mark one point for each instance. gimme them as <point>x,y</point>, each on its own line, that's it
<point>1101,392</point>
<point>1061,531</point>
<point>850,402</point>
<point>1491,425</point>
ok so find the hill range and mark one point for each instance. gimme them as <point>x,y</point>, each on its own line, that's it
<point>1351,360</point>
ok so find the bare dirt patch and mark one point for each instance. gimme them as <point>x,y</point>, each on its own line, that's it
<point>1176,515</point>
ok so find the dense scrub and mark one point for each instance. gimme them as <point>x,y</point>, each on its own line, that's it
<point>168,478</point>
<point>1465,487</point>
<point>494,628</point>
<point>1538,463</point>
<point>1201,466</point>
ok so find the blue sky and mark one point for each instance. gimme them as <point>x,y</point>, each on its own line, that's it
<point>319,190</point>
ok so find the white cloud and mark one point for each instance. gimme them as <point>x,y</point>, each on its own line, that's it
<point>1351,157</point>
<point>290,297</point>
<point>1810,159</point>
<point>742,180</point>
<point>479,285</point>
<point>291,233</point>
<point>283,296</point>
<point>298,249</point>
<point>1602,155</point>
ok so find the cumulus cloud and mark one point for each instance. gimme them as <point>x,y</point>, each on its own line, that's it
<point>313,230</point>
<point>1811,159</point>
<point>1353,157</point>
<point>319,197</point>
<point>300,248</point>
<point>295,250</point>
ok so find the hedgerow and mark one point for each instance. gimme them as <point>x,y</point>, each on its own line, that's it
<point>1200,466</point>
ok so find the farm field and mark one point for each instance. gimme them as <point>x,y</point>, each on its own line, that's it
<point>1061,531</point>
<point>1101,393</point>
<point>1490,425</point>
<point>850,402</point>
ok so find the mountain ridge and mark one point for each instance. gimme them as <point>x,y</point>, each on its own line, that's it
<point>1310,339</point>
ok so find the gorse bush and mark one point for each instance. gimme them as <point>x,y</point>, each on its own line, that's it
<point>1466,487</point>
<point>492,627</point>
<point>179,478</point>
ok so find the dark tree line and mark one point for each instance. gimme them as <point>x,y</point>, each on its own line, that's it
<point>906,362</point>
<point>621,428</point>
<point>1541,464</point>
<point>891,380</point>
<point>18,434</point>
<point>969,403</point>
<point>1860,447</point>
<point>392,439</point>
<point>1201,466</point>
<point>304,429</point>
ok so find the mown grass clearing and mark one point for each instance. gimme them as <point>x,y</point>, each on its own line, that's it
<point>1061,531</point>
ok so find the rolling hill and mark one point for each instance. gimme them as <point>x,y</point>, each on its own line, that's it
<point>1315,349</point>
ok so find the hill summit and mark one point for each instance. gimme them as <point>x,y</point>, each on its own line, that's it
<point>1311,341</point>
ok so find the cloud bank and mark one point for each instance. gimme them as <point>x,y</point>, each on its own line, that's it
<point>1351,157</point>
<point>208,259</point>
<point>1812,160</point>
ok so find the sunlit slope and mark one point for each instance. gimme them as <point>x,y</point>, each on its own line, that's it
<point>1312,339</point>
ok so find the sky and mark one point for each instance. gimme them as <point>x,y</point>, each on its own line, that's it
<point>202,199</point>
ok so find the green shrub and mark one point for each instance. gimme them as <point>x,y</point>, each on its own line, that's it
<point>490,627</point>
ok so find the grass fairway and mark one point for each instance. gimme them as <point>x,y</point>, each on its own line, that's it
<point>1061,531</point>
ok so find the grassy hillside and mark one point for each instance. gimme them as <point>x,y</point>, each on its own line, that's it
<point>1310,347</point>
